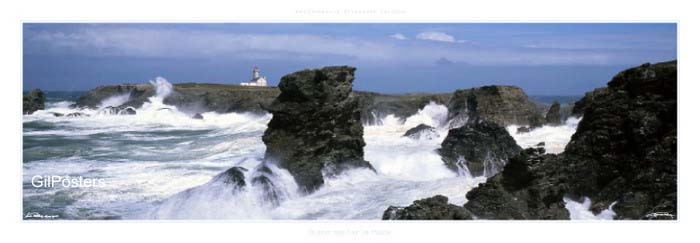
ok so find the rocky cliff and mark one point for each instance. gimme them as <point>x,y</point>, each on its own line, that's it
<point>504,105</point>
<point>623,152</point>
<point>481,148</point>
<point>189,96</point>
<point>315,128</point>
<point>33,101</point>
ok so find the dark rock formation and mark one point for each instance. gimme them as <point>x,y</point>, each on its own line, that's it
<point>33,101</point>
<point>580,105</point>
<point>233,176</point>
<point>211,97</point>
<point>433,208</point>
<point>128,111</point>
<point>625,144</point>
<point>271,193</point>
<point>504,105</point>
<point>553,117</point>
<point>623,151</point>
<point>524,190</point>
<point>523,130</point>
<point>76,114</point>
<point>479,147</point>
<point>315,128</point>
<point>422,131</point>
<point>198,116</point>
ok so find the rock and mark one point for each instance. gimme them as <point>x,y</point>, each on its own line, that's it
<point>77,114</point>
<point>56,114</point>
<point>315,128</point>
<point>480,147</point>
<point>580,105</point>
<point>504,105</point>
<point>553,118</point>
<point>128,111</point>
<point>422,131</point>
<point>220,98</point>
<point>625,144</point>
<point>522,191</point>
<point>198,116</point>
<point>624,151</point>
<point>523,130</point>
<point>271,194</point>
<point>33,101</point>
<point>433,208</point>
<point>233,176</point>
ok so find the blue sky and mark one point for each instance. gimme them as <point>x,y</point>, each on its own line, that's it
<point>543,59</point>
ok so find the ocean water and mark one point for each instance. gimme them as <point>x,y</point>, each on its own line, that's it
<point>162,164</point>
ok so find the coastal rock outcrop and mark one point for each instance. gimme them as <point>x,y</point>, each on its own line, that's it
<point>479,147</point>
<point>33,101</point>
<point>315,128</point>
<point>504,105</point>
<point>220,98</point>
<point>422,131</point>
<point>433,208</point>
<point>623,152</point>
<point>527,188</point>
<point>553,116</point>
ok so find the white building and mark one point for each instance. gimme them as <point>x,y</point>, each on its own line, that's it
<point>257,79</point>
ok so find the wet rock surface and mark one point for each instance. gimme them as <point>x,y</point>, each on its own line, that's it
<point>422,131</point>
<point>553,117</point>
<point>33,101</point>
<point>480,147</point>
<point>316,127</point>
<point>623,152</point>
<point>433,208</point>
<point>503,105</point>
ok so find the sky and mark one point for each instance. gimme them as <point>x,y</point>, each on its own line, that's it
<point>542,58</point>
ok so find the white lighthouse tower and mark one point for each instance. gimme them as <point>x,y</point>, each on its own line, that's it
<point>257,79</point>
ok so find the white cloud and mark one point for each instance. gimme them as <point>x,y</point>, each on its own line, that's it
<point>167,43</point>
<point>125,41</point>
<point>398,36</point>
<point>436,36</point>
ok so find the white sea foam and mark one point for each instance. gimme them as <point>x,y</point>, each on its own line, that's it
<point>153,171</point>
<point>581,210</point>
<point>555,138</point>
<point>115,100</point>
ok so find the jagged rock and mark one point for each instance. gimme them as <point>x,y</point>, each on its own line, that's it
<point>480,147</point>
<point>77,114</point>
<point>625,143</point>
<point>522,191</point>
<point>56,114</point>
<point>198,116</point>
<point>33,101</point>
<point>523,130</point>
<point>271,193</point>
<point>233,176</point>
<point>127,111</point>
<point>504,105</point>
<point>433,208</point>
<point>553,117</point>
<point>422,131</point>
<point>580,105</point>
<point>315,127</point>
<point>623,151</point>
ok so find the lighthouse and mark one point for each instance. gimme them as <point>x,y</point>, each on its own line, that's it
<point>257,79</point>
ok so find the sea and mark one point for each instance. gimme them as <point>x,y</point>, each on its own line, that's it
<point>163,164</point>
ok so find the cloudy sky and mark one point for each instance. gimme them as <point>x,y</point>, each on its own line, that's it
<point>544,59</point>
